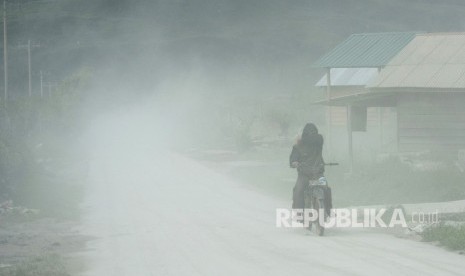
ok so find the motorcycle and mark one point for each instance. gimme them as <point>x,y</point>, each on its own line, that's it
<point>316,197</point>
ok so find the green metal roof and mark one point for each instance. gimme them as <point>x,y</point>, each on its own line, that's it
<point>366,50</point>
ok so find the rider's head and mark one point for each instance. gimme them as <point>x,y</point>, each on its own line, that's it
<point>309,129</point>
<point>309,134</point>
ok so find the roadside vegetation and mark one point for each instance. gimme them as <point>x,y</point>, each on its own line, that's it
<point>392,181</point>
<point>38,148</point>
<point>42,172</point>
<point>50,265</point>
<point>450,236</point>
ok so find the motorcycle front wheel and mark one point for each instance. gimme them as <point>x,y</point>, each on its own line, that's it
<point>319,205</point>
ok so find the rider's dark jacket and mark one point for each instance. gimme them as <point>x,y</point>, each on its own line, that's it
<point>308,152</point>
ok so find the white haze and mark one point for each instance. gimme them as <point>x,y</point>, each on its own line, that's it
<point>155,211</point>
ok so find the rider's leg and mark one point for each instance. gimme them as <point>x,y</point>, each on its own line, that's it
<point>298,198</point>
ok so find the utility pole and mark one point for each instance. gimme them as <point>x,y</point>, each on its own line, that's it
<point>29,66</point>
<point>29,47</point>
<point>41,84</point>
<point>5,53</point>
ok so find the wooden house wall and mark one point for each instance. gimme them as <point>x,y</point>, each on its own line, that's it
<point>339,113</point>
<point>339,116</point>
<point>433,122</point>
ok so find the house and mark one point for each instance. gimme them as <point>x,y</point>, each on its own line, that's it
<point>349,67</point>
<point>424,82</point>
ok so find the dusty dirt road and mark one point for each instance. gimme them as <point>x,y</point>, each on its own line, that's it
<point>158,213</point>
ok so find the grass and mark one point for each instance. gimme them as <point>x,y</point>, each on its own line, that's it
<point>54,186</point>
<point>452,237</point>
<point>46,265</point>
<point>58,199</point>
<point>389,182</point>
<point>45,195</point>
<point>392,182</point>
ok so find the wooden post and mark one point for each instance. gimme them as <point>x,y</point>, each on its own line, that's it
<point>328,114</point>
<point>380,122</point>
<point>380,125</point>
<point>349,135</point>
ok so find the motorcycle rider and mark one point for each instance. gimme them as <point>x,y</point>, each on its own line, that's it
<point>307,157</point>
